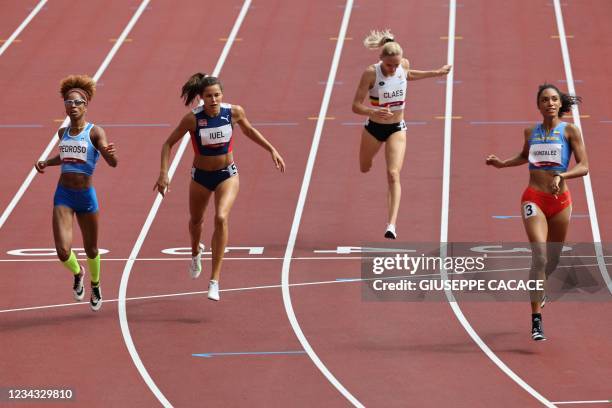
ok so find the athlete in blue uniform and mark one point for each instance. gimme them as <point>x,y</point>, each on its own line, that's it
<point>546,203</point>
<point>80,146</point>
<point>385,82</point>
<point>210,127</point>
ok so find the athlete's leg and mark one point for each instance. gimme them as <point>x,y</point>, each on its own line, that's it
<point>536,227</point>
<point>367,150</point>
<point>395,151</point>
<point>62,233</point>
<point>225,195</point>
<point>88,222</point>
<point>557,231</point>
<point>198,200</point>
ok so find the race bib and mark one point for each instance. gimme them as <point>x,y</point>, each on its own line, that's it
<point>544,154</point>
<point>392,96</point>
<point>215,136</point>
<point>73,151</point>
<point>529,210</point>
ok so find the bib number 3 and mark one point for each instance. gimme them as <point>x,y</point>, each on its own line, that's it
<point>529,210</point>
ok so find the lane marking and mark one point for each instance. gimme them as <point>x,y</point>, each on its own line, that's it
<point>249,353</point>
<point>20,126</point>
<point>276,286</point>
<point>588,188</point>
<point>503,217</point>
<point>22,26</point>
<point>275,123</point>
<point>300,208</point>
<point>22,189</point>
<point>125,276</point>
<point>503,122</point>
<point>445,212</point>
<point>277,258</point>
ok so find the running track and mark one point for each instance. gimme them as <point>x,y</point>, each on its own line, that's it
<point>381,353</point>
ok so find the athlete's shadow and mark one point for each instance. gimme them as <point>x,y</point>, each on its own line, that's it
<point>449,347</point>
<point>52,321</point>
<point>167,311</point>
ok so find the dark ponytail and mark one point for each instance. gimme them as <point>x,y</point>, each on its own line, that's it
<point>567,101</point>
<point>196,85</point>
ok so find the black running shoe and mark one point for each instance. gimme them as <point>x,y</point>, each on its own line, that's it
<point>537,333</point>
<point>78,289</point>
<point>96,298</point>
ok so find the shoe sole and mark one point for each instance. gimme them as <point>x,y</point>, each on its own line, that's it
<point>210,298</point>
<point>96,307</point>
<point>389,235</point>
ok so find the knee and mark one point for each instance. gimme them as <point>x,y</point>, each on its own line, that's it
<point>91,252</point>
<point>195,222</point>
<point>221,220</point>
<point>538,262</point>
<point>393,176</point>
<point>63,253</point>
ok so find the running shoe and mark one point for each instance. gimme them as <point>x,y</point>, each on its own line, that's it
<point>537,332</point>
<point>213,290</point>
<point>195,269</point>
<point>390,233</point>
<point>95,302</point>
<point>78,289</point>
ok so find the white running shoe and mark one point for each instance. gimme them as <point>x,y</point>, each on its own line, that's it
<point>213,290</point>
<point>390,232</point>
<point>195,269</point>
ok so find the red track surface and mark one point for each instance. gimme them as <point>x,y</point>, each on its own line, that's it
<point>385,353</point>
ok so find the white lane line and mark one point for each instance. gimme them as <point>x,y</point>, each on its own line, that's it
<point>298,258</point>
<point>300,208</point>
<point>22,26</point>
<point>444,216</point>
<point>588,187</point>
<point>313,283</point>
<point>11,206</point>
<point>125,277</point>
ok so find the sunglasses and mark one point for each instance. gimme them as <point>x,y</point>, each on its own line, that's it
<point>74,102</point>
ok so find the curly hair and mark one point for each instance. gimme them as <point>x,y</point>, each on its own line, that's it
<point>78,82</point>
<point>567,101</point>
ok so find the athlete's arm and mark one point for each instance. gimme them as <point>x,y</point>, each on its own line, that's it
<point>582,162</point>
<point>106,149</point>
<point>414,74</point>
<point>518,160</point>
<point>54,161</point>
<point>186,125</point>
<point>239,117</point>
<point>366,82</point>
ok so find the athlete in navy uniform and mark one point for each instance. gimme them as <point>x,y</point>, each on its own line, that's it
<point>385,82</point>
<point>211,129</point>
<point>80,147</point>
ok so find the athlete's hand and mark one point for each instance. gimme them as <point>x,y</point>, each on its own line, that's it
<point>162,184</point>
<point>445,70</point>
<point>111,149</point>
<point>278,161</point>
<point>493,160</point>
<point>40,166</point>
<point>554,186</point>
<point>383,113</point>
